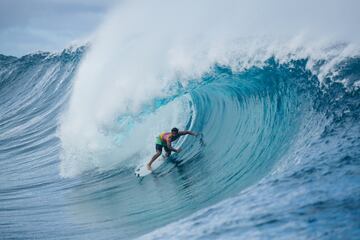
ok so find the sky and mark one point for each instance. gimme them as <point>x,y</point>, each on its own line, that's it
<point>28,26</point>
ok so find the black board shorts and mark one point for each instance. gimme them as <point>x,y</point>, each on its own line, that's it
<point>159,147</point>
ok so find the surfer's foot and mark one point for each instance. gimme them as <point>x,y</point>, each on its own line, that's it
<point>148,167</point>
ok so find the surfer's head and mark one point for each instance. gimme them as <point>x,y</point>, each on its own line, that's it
<point>174,131</point>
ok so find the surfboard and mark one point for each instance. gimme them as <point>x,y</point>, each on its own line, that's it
<point>142,171</point>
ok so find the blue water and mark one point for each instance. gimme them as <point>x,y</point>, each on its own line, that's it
<point>278,158</point>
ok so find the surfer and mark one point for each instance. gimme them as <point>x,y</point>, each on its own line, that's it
<point>164,141</point>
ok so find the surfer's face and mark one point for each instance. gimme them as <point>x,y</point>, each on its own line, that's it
<point>174,133</point>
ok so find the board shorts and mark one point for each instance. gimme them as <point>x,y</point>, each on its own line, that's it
<point>159,145</point>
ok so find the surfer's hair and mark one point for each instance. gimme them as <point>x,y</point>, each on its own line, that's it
<point>175,130</point>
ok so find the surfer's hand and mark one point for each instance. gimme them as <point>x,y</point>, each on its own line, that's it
<point>197,134</point>
<point>178,150</point>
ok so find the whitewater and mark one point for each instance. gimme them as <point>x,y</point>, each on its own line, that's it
<point>273,88</point>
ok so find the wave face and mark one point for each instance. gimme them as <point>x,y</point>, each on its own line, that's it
<point>278,156</point>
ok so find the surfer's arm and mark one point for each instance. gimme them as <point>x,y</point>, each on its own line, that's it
<point>168,143</point>
<point>188,133</point>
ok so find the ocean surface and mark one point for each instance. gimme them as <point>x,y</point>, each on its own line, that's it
<point>277,157</point>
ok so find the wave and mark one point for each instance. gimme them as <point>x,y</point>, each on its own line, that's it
<point>129,69</point>
<point>276,119</point>
<point>279,149</point>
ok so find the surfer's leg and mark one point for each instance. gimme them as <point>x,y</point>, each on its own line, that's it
<point>157,154</point>
<point>167,151</point>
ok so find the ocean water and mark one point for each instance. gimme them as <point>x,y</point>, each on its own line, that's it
<point>278,155</point>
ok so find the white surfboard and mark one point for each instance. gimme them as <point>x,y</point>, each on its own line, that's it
<point>142,170</point>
